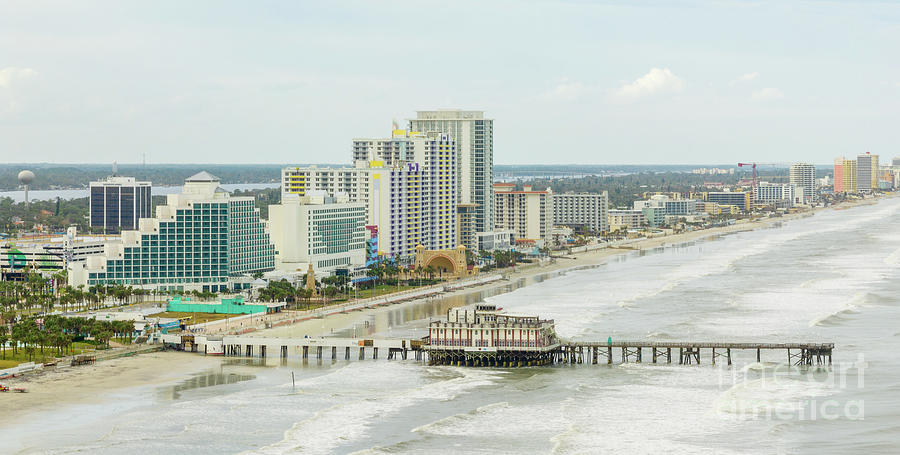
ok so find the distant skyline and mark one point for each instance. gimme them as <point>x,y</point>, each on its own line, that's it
<point>594,82</point>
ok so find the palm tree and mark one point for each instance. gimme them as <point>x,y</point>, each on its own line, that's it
<point>329,291</point>
<point>4,338</point>
<point>17,335</point>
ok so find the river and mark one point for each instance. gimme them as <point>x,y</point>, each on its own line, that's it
<point>43,195</point>
<point>832,277</point>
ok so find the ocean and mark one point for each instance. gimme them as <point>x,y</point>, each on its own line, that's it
<point>833,277</point>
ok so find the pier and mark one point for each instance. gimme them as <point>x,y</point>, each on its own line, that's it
<point>305,348</point>
<point>321,348</point>
<point>687,352</point>
<point>483,336</point>
<point>564,352</point>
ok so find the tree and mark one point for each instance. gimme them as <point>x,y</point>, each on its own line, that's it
<point>4,338</point>
<point>419,270</point>
<point>376,270</point>
<point>330,291</point>
<point>306,294</point>
<point>471,257</point>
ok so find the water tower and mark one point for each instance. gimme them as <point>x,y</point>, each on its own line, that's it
<point>25,178</point>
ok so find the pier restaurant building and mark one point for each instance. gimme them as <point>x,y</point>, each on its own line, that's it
<point>485,336</point>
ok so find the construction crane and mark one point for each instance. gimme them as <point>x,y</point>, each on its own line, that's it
<point>756,177</point>
<point>754,171</point>
<point>753,165</point>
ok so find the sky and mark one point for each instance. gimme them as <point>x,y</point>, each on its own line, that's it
<point>593,82</point>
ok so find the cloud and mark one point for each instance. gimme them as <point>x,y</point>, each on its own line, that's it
<point>745,78</point>
<point>767,93</point>
<point>12,74</point>
<point>656,81</point>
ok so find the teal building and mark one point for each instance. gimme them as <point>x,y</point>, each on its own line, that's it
<point>656,216</point>
<point>234,305</point>
<point>202,239</point>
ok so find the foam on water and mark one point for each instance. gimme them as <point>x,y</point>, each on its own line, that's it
<point>769,396</point>
<point>348,420</point>
<point>893,258</point>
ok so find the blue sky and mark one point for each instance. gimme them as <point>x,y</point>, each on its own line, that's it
<point>566,82</point>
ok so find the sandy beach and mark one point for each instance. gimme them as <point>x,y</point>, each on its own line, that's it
<point>53,388</point>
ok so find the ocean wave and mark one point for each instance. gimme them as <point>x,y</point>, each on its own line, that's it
<point>832,319</point>
<point>836,316</point>
<point>762,366</point>
<point>762,397</point>
<point>349,421</point>
<point>893,258</point>
<point>450,426</point>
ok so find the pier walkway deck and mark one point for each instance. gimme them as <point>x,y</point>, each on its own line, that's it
<point>564,352</point>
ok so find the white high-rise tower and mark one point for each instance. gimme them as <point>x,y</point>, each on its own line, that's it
<point>474,137</point>
<point>804,175</point>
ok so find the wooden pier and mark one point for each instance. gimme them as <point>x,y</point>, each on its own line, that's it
<point>687,352</point>
<point>321,348</point>
<point>563,352</point>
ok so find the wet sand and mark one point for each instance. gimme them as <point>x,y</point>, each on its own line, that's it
<point>53,388</point>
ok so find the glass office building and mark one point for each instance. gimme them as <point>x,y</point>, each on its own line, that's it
<point>118,203</point>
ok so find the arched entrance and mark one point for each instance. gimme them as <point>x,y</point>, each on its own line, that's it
<point>443,264</point>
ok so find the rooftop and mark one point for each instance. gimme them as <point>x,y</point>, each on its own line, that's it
<point>202,176</point>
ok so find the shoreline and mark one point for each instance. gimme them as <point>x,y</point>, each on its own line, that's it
<point>50,389</point>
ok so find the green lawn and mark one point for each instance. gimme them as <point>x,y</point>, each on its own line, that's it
<point>9,360</point>
<point>381,289</point>
<point>196,318</point>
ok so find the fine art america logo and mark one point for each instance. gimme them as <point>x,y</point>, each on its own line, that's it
<point>781,392</point>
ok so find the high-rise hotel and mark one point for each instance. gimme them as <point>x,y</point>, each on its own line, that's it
<point>866,172</point>
<point>845,176</point>
<point>474,136</point>
<point>804,175</point>
<point>200,239</point>
<point>407,183</point>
